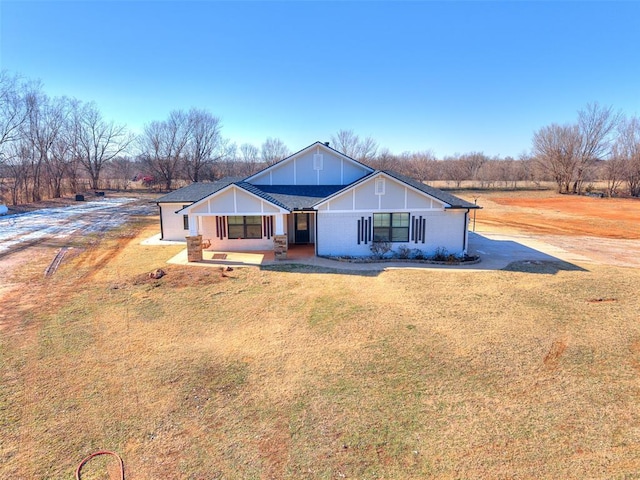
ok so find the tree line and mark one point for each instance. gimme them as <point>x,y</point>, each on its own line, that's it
<point>53,146</point>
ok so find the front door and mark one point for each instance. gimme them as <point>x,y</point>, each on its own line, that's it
<point>301,227</point>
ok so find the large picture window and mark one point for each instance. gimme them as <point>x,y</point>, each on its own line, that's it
<point>390,227</point>
<point>244,226</point>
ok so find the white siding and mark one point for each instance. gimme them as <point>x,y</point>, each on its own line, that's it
<point>397,197</point>
<point>172,223</point>
<point>338,233</point>
<point>299,170</point>
<point>234,201</point>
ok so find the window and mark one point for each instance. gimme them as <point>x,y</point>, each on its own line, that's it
<point>185,219</point>
<point>247,226</point>
<point>390,227</point>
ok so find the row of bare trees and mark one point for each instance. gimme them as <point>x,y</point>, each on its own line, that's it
<point>48,144</point>
<point>53,146</point>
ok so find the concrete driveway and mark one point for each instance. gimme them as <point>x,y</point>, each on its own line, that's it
<point>498,250</point>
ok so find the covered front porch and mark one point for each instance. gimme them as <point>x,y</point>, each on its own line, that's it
<point>238,233</point>
<point>216,258</point>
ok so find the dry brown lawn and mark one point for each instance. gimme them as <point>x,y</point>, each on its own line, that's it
<point>295,373</point>
<point>547,212</point>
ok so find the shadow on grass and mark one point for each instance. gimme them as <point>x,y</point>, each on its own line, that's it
<point>542,266</point>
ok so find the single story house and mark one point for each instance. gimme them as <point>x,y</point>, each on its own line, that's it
<point>322,197</point>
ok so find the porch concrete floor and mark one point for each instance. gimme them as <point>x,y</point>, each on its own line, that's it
<point>216,258</point>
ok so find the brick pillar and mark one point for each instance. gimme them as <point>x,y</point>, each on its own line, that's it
<point>280,247</point>
<point>194,248</point>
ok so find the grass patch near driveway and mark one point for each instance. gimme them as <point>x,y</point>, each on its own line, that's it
<point>312,374</point>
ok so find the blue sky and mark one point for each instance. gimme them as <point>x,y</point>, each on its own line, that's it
<point>451,77</point>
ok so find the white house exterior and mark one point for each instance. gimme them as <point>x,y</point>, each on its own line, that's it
<point>322,197</point>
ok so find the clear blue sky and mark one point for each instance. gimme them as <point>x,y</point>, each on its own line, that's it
<point>445,76</point>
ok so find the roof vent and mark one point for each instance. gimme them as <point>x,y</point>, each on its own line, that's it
<point>326,143</point>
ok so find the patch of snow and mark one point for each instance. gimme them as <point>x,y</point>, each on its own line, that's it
<point>61,222</point>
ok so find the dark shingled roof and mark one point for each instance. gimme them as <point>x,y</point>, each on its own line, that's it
<point>197,191</point>
<point>299,197</point>
<point>452,200</point>
<point>258,192</point>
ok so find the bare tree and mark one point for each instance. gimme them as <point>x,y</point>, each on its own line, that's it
<point>17,163</point>
<point>163,146</point>
<point>556,148</point>
<point>455,170</point>
<point>385,160</point>
<point>14,106</point>
<point>122,170</point>
<point>43,128</point>
<point>347,142</point>
<point>205,143</point>
<point>596,125</point>
<point>274,150</point>
<point>97,141</point>
<point>569,153</point>
<point>423,166</point>
<point>472,163</point>
<point>627,152</point>
<point>61,159</point>
<point>249,158</point>
<point>613,172</point>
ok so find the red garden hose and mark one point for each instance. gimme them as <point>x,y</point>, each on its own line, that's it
<point>101,452</point>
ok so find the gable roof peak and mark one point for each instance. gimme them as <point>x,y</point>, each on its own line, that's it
<point>316,144</point>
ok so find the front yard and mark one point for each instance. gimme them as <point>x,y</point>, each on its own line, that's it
<point>310,373</point>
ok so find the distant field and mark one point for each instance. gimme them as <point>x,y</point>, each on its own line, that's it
<point>299,373</point>
<point>548,212</point>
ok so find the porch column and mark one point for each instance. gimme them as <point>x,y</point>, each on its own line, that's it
<point>193,225</point>
<point>280,246</point>
<point>194,248</point>
<point>279,224</point>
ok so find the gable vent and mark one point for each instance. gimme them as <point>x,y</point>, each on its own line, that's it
<point>317,161</point>
<point>379,186</point>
